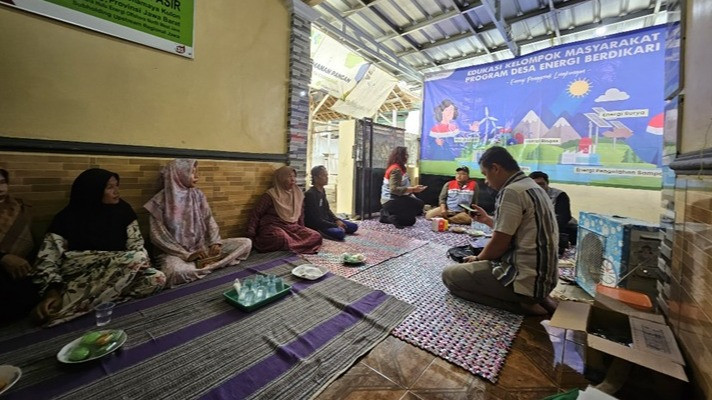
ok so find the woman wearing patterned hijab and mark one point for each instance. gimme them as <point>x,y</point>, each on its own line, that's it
<point>277,221</point>
<point>183,228</point>
<point>93,252</point>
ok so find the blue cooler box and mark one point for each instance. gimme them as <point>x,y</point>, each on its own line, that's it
<point>608,247</point>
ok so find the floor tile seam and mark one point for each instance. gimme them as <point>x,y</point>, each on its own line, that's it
<point>384,376</point>
<point>415,381</point>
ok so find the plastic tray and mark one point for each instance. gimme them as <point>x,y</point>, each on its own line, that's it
<point>231,296</point>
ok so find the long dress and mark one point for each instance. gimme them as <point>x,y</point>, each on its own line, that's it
<point>269,232</point>
<point>91,277</point>
<point>93,251</point>
<point>182,224</point>
<point>172,260</point>
<point>17,296</point>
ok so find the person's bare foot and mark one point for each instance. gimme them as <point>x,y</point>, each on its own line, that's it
<point>549,304</point>
<point>533,309</point>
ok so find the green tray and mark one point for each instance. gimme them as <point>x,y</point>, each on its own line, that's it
<point>231,297</point>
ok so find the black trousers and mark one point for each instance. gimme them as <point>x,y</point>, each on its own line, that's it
<point>401,210</point>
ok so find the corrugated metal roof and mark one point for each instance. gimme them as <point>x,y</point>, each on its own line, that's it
<point>410,38</point>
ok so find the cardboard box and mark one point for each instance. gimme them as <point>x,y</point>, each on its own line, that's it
<point>639,337</point>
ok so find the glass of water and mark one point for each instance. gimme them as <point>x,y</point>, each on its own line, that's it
<point>103,313</point>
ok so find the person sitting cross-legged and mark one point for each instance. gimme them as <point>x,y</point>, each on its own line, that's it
<point>317,213</point>
<point>17,292</point>
<point>92,253</point>
<point>517,269</point>
<point>277,220</point>
<point>568,226</point>
<point>184,230</point>
<point>460,190</point>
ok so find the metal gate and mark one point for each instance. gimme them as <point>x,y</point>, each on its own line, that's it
<point>372,146</point>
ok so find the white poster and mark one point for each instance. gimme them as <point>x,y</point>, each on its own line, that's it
<point>368,95</point>
<point>336,69</point>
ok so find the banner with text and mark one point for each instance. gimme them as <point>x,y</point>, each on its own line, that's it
<point>589,112</point>
<point>162,24</point>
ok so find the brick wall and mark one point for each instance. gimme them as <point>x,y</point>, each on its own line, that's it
<point>44,181</point>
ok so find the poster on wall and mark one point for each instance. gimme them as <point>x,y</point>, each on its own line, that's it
<point>590,112</point>
<point>162,24</point>
<point>359,86</point>
<point>336,69</point>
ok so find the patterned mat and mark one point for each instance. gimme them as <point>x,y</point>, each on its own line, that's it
<point>188,342</point>
<point>421,230</point>
<point>375,245</point>
<point>473,336</point>
<point>567,264</point>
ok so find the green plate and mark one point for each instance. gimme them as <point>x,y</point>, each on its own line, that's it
<point>232,298</point>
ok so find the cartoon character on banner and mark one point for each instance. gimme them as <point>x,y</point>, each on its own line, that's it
<point>443,133</point>
<point>442,146</point>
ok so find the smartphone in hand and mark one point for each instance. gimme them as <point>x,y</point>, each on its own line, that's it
<point>470,209</point>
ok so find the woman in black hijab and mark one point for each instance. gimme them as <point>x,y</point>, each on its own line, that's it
<point>93,252</point>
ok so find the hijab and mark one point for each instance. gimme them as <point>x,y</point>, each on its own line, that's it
<point>179,206</point>
<point>87,223</point>
<point>287,202</point>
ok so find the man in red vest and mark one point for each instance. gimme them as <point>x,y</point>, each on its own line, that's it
<point>460,190</point>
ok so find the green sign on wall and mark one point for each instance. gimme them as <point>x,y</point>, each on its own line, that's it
<point>163,24</point>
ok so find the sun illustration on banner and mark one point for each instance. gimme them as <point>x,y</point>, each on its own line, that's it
<point>579,88</point>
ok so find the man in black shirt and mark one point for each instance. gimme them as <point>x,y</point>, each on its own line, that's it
<point>568,226</point>
<point>317,214</point>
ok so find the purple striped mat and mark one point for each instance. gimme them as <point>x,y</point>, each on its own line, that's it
<point>289,349</point>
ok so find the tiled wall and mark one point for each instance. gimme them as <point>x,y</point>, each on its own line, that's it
<point>690,299</point>
<point>44,180</point>
<point>300,68</point>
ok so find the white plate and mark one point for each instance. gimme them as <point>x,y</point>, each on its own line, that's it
<point>63,355</point>
<point>309,271</point>
<point>9,374</point>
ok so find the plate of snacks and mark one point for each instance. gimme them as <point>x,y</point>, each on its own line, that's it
<point>348,258</point>
<point>92,345</point>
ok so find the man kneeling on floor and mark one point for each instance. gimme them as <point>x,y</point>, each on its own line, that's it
<point>517,269</point>
<point>460,190</point>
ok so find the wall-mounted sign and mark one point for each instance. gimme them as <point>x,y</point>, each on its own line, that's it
<point>162,24</point>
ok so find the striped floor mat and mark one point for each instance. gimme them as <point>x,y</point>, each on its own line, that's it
<point>188,342</point>
<point>376,246</point>
<point>473,336</point>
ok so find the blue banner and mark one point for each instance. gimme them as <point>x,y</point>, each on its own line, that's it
<point>589,112</point>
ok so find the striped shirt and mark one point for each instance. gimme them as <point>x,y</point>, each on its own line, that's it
<point>524,211</point>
